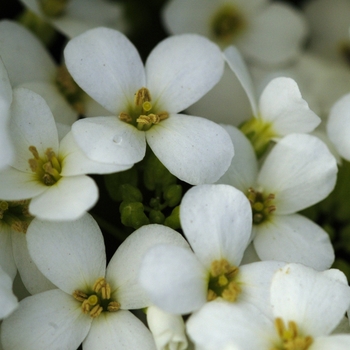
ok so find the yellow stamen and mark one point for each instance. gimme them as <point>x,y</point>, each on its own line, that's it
<point>141,96</point>
<point>262,206</point>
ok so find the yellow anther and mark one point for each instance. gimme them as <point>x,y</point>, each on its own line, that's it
<point>113,306</point>
<point>101,286</point>
<point>96,311</point>
<point>211,295</point>
<point>34,152</point>
<point>80,296</point>
<point>125,117</point>
<point>142,95</point>
<point>262,206</point>
<point>222,280</point>
<point>231,292</point>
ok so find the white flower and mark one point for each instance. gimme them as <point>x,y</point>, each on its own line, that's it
<point>167,329</point>
<point>90,303</point>
<point>269,33</point>
<point>297,173</point>
<point>338,126</point>
<point>145,102</point>
<point>216,220</point>
<point>306,306</point>
<point>8,301</point>
<point>49,172</point>
<point>73,17</point>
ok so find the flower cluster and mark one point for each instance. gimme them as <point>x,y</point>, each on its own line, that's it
<point>179,192</point>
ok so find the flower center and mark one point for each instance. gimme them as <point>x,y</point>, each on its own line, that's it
<point>290,337</point>
<point>70,89</point>
<point>47,168</point>
<point>98,300</point>
<point>141,114</point>
<point>222,281</point>
<point>227,23</point>
<point>53,8</point>
<point>262,206</point>
<point>16,215</point>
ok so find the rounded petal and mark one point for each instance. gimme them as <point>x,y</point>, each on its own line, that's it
<point>75,162</point>
<point>8,301</point>
<point>123,269</point>
<point>300,171</point>
<point>174,279</point>
<point>118,330</point>
<point>70,254</point>
<point>107,66</point>
<point>109,140</point>
<point>305,296</point>
<point>25,57</point>
<point>338,126</point>
<point>7,261</point>
<point>49,320</point>
<point>31,124</point>
<point>217,221</point>
<point>238,66</point>
<point>296,239</point>
<point>33,280</point>
<point>181,69</point>
<point>68,199</point>
<point>243,170</point>
<point>195,150</point>
<point>334,342</point>
<point>282,105</point>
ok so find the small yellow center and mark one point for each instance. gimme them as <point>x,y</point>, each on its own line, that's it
<point>47,168</point>
<point>141,114</point>
<point>290,339</point>
<point>262,206</point>
<point>15,214</point>
<point>73,94</point>
<point>227,23</point>
<point>98,300</point>
<point>53,8</point>
<point>222,281</point>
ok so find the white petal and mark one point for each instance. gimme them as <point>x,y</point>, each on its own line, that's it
<point>174,279</point>
<point>8,301</point>
<point>7,261</point>
<point>216,220</point>
<point>109,140</point>
<point>75,162</point>
<point>181,69</point>
<point>338,126</point>
<point>69,254</point>
<point>334,342</point>
<point>167,329</point>
<point>300,171</point>
<point>49,320</point>
<point>5,90</point>
<point>32,124</point>
<point>107,66</point>
<point>243,170</point>
<point>218,324</point>
<point>118,330</point>
<point>294,238</point>
<point>275,35</point>
<point>282,105</point>
<point>17,185</point>
<point>238,66</point>
<point>25,57</point>
<point>305,296</point>
<point>123,269</point>
<point>195,150</point>
<point>33,280</point>
<point>61,110</point>
<point>68,199</point>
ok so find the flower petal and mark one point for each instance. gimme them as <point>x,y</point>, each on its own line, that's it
<point>7,261</point>
<point>123,268</point>
<point>109,140</point>
<point>195,150</point>
<point>107,66</point>
<point>216,220</point>
<point>181,69</point>
<point>70,254</point>
<point>174,279</point>
<point>8,301</point>
<point>49,320</point>
<point>305,296</point>
<point>294,238</point>
<point>238,66</point>
<point>282,105</point>
<point>68,199</point>
<point>300,171</point>
<point>334,342</point>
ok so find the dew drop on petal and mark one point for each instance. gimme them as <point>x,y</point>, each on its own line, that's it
<point>117,139</point>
